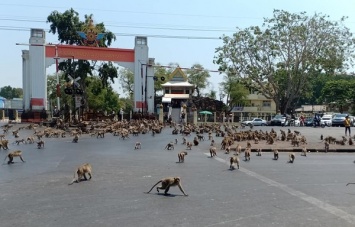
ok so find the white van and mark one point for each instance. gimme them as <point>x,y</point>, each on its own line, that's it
<point>326,120</point>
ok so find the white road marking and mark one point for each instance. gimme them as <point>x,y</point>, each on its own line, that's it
<point>314,201</point>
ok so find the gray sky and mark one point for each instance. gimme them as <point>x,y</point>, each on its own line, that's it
<point>187,19</point>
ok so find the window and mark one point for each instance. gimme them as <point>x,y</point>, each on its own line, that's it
<point>166,91</point>
<point>187,91</point>
<point>38,33</point>
<point>141,40</point>
<point>266,103</point>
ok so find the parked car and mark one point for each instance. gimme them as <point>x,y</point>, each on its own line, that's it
<point>326,120</point>
<point>338,119</point>
<point>278,120</point>
<point>255,122</point>
<point>308,121</point>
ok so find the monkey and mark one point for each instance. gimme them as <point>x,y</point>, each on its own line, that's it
<point>81,171</point>
<point>212,143</point>
<point>30,139</point>
<point>256,140</point>
<point>291,157</point>
<point>276,154</point>
<point>200,137</point>
<point>76,138</point>
<point>20,141</point>
<point>351,141</point>
<point>304,151</point>
<point>248,144</point>
<point>183,140</point>
<point>326,146</point>
<point>153,132</point>
<point>40,144</point>
<point>228,149</point>
<point>247,154</point>
<point>13,154</point>
<point>195,141</point>
<point>169,146</point>
<point>176,141</point>
<point>168,182</point>
<point>259,152</point>
<point>321,137</point>
<point>210,137</point>
<point>2,136</point>
<point>213,151</point>
<point>189,145</point>
<point>233,160</point>
<point>100,134</point>
<point>4,144</point>
<point>138,146</point>
<point>181,156</point>
<point>238,149</point>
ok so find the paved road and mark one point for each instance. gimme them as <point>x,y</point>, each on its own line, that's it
<point>264,192</point>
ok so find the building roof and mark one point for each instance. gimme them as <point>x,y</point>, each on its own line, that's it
<point>177,84</point>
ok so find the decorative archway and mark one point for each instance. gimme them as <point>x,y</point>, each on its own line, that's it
<point>41,55</point>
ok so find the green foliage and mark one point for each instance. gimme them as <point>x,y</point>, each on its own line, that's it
<point>280,58</point>
<point>66,25</point>
<point>160,72</point>
<point>339,92</point>
<point>198,76</point>
<point>126,78</point>
<point>9,92</point>
<point>101,98</point>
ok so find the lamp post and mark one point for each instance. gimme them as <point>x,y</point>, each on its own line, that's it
<point>121,112</point>
<point>57,76</point>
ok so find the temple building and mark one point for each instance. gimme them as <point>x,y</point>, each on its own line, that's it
<point>177,89</point>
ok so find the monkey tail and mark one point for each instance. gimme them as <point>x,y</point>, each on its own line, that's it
<point>154,186</point>
<point>72,180</point>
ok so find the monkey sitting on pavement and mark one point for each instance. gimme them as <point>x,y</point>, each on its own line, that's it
<point>291,157</point>
<point>40,144</point>
<point>276,154</point>
<point>259,152</point>
<point>189,145</point>
<point>75,139</point>
<point>13,154</point>
<point>169,146</point>
<point>168,182</point>
<point>138,145</point>
<point>181,156</point>
<point>81,171</point>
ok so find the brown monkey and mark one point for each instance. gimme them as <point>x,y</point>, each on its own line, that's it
<point>304,151</point>
<point>247,154</point>
<point>181,156</point>
<point>76,138</point>
<point>81,171</point>
<point>291,157</point>
<point>256,140</point>
<point>248,144</point>
<point>213,151</point>
<point>195,141</point>
<point>259,152</point>
<point>4,144</point>
<point>233,160</point>
<point>351,141</point>
<point>239,149</point>
<point>183,140</point>
<point>20,141</point>
<point>100,134</point>
<point>326,146</point>
<point>168,182</point>
<point>30,139</point>
<point>189,145</point>
<point>169,146</point>
<point>138,146</point>
<point>212,143</point>
<point>228,149</point>
<point>40,144</point>
<point>276,154</point>
<point>13,154</point>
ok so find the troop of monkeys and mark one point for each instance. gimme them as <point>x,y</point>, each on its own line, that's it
<point>166,183</point>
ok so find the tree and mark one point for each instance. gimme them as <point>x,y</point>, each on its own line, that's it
<point>161,72</point>
<point>9,92</point>
<point>198,76</point>
<point>126,78</point>
<point>235,92</point>
<point>339,92</point>
<point>279,60</point>
<point>66,25</point>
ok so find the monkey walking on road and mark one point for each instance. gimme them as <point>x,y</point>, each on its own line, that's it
<point>81,171</point>
<point>13,154</point>
<point>168,182</point>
